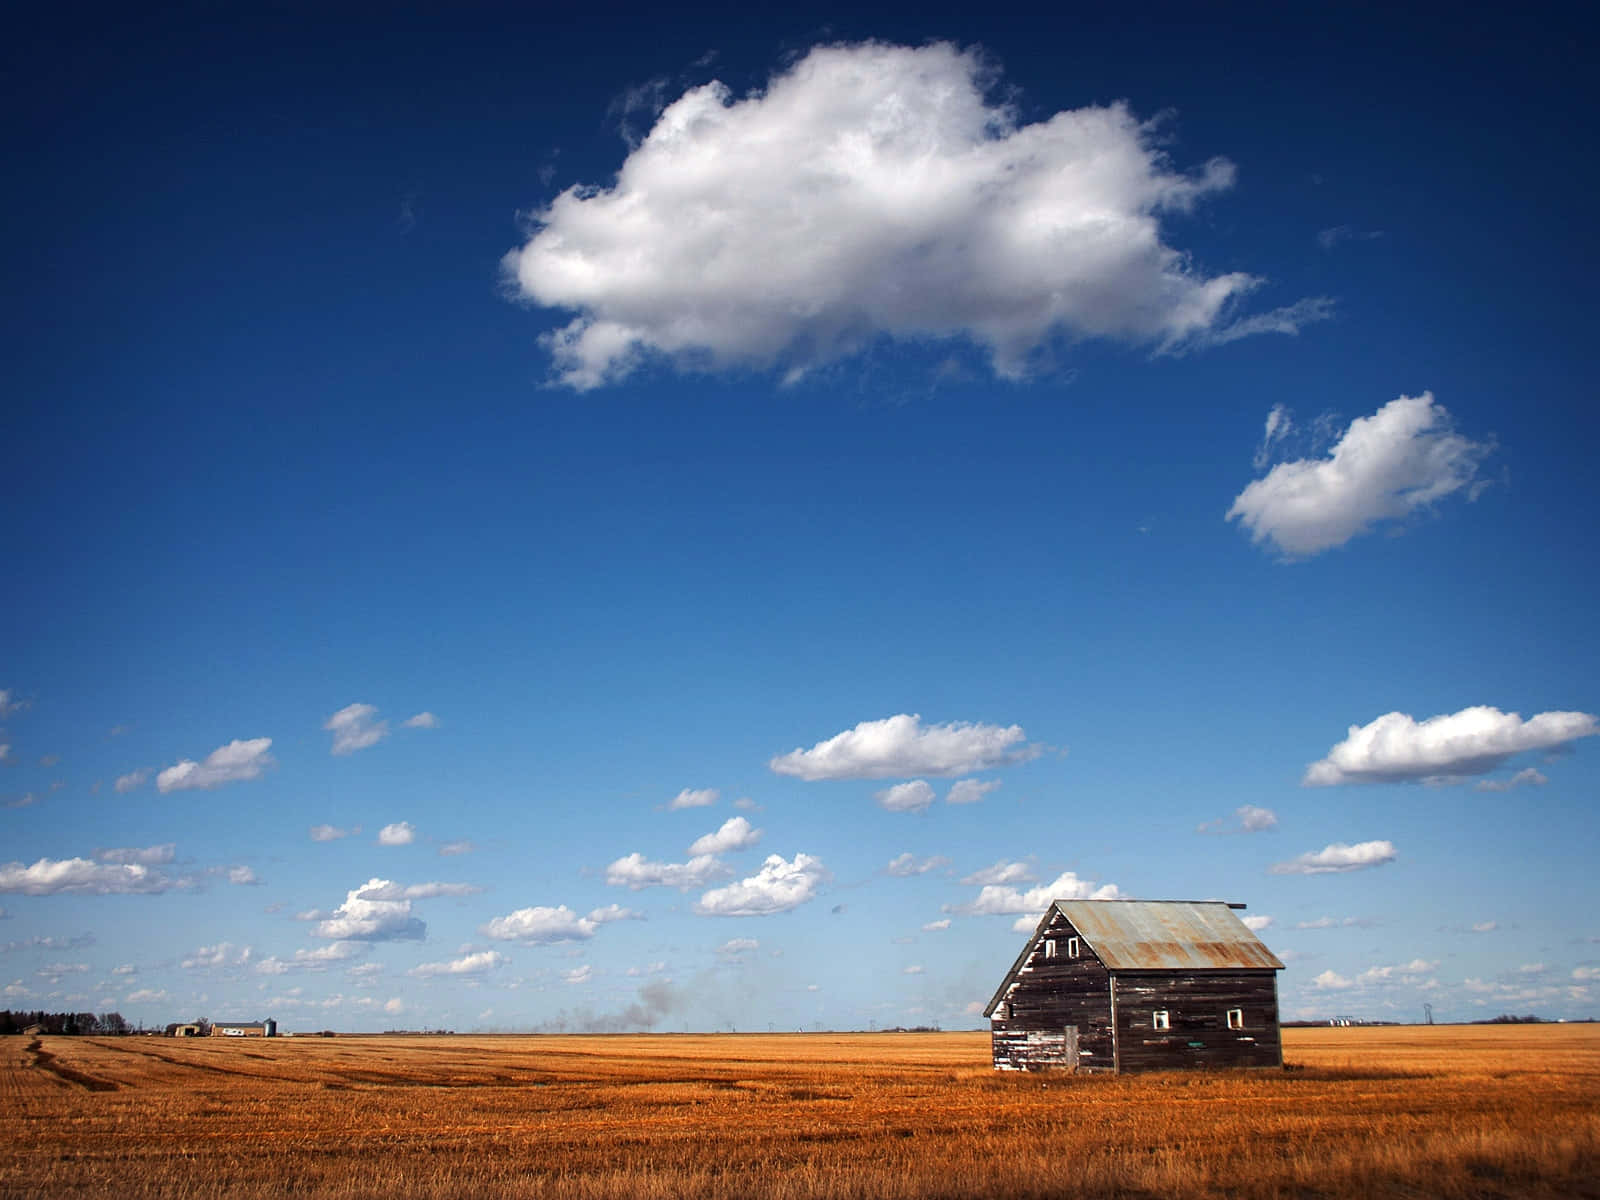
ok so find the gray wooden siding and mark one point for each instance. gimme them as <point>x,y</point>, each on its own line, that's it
<point>1048,995</point>
<point>1197,1005</point>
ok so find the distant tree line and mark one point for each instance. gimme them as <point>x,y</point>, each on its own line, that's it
<point>109,1024</point>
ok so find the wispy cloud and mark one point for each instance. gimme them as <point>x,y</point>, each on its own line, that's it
<point>908,864</point>
<point>480,963</point>
<point>423,720</point>
<point>331,833</point>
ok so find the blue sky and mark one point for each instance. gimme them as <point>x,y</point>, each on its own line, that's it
<point>684,521</point>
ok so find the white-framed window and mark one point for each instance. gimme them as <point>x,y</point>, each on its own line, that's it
<point>1049,947</point>
<point>1236,1018</point>
<point>1073,948</point>
<point>1161,1019</point>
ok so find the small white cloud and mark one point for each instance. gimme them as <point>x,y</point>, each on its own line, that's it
<point>908,864</point>
<point>384,890</point>
<point>636,872</point>
<point>1339,234</point>
<point>125,969</point>
<point>400,833</point>
<point>734,834</point>
<point>223,954</point>
<point>449,849</point>
<point>472,964</point>
<point>997,899</point>
<point>1397,462</point>
<point>355,727</point>
<point>1338,857</point>
<point>1486,927</point>
<point>1396,749</point>
<point>147,996</point>
<point>1336,923</point>
<point>1255,924</point>
<point>937,926</point>
<point>694,798</point>
<point>147,856</point>
<point>734,948</point>
<point>544,926</point>
<point>914,796</point>
<point>899,746</point>
<point>970,791</point>
<point>747,804</point>
<point>1331,980</point>
<point>874,191</point>
<point>1001,872</point>
<point>915,969</point>
<point>132,780</point>
<point>233,763</point>
<point>242,877</point>
<point>11,703</point>
<point>331,833</point>
<point>1247,818</point>
<point>578,974</point>
<point>779,886</point>
<point>423,720</point>
<point>395,1006</point>
<point>1586,974</point>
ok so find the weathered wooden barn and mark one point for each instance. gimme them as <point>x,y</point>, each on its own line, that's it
<point>1138,985</point>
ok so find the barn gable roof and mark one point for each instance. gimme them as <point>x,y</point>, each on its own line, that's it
<point>1155,935</point>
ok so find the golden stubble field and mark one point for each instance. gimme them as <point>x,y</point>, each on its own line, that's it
<point>1439,1111</point>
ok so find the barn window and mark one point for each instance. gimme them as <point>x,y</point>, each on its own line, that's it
<point>1002,1011</point>
<point>1160,1019</point>
<point>1236,1018</point>
<point>1072,948</point>
<point>1049,947</point>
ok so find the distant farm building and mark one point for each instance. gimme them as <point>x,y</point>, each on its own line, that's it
<point>1138,985</point>
<point>187,1030</point>
<point>267,1028</point>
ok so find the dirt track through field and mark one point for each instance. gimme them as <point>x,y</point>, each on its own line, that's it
<point>1476,1112</point>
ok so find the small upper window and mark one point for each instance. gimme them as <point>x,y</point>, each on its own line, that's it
<point>1236,1018</point>
<point>1161,1020</point>
<point>1073,949</point>
<point>1049,947</point>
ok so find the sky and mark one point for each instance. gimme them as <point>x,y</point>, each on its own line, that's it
<point>704,520</point>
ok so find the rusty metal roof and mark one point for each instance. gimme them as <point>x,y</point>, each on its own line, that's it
<point>1167,935</point>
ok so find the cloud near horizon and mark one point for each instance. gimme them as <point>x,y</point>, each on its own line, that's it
<point>1398,749</point>
<point>874,190</point>
<point>900,747</point>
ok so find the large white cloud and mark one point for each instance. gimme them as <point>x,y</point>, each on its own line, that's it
<point>1386,467</point>
<point>541,925</point>
<point>899,746</point>
<point>636,871</point>
<point>238,760</point>
<point>355,727</point>
<point>734,834</point>
<point>373,912</point>
<point>1395,748</point>
<point>48,877</point>
<point>779,886</point>
<point>875,190</point>
<point>1338,857</point>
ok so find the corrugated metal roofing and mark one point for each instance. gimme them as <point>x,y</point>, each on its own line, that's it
<point>1162,935</point>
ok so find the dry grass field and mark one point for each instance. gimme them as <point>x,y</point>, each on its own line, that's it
<point>1441,1111</point>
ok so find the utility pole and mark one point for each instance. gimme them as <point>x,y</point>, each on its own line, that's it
<point>1427,1012</point>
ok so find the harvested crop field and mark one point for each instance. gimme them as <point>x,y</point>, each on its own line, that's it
<point>1437,1111</point>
